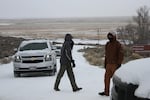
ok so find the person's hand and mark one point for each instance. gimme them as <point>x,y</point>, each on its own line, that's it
<point>73,63</point>
<point>118,66</point>
<point>105,66</point>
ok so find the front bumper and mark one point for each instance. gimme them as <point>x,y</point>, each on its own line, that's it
<point>33,67</point>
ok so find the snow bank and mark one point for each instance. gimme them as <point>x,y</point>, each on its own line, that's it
<point>137,72</point>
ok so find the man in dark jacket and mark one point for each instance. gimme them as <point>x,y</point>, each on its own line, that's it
<point>113,60</point>
<point>66,64</point>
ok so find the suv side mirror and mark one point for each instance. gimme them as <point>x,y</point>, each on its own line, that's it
<point>53,48</point>
<point>15,49</point>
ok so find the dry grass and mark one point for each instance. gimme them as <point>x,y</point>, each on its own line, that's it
<point>95,55</point>
<point>5,60</point>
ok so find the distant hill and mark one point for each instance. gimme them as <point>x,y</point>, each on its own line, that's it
<point>57,27</point>
<point>82,19</point>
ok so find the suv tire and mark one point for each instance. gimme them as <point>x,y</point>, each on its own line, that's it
<point>16,74</point>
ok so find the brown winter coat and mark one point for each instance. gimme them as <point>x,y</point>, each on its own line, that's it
<point>113,59</point>
<point>113,52</point>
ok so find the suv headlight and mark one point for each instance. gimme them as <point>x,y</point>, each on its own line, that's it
<point>17,59</point>
<point>48,58</point>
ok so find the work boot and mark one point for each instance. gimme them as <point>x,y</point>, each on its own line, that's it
<point>103,94</point>
<point>77,89</point>
<point>56,89</point>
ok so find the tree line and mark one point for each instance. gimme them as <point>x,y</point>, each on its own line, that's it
<point>139,32</point>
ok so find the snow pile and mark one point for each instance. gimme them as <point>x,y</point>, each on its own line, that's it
<point>137,72</point>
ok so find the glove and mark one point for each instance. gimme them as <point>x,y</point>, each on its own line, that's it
<point>73,63</point>
<point>118,66</point>
<point>105,66</point>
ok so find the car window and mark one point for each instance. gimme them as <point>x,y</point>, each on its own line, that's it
<point>34,46</point>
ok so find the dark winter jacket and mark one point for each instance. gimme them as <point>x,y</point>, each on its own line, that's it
<point>113,51</point>
<point>66,51</point>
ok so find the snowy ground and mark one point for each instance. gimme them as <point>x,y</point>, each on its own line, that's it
<point>89,77</point>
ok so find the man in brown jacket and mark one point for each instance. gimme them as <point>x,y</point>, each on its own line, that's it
<point>113,60</point>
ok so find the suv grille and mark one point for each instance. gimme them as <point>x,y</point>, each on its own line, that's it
<point>32,59</point>
<point>32,56</point>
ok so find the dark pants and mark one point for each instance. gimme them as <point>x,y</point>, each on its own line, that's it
<point>70,74</point>
<point>110,69</point>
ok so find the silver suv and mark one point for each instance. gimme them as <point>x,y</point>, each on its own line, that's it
<point>35,56</point>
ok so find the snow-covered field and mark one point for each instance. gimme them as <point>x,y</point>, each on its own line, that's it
<point>89,77</point>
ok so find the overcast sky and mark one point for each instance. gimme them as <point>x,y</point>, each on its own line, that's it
<point>69,8</point>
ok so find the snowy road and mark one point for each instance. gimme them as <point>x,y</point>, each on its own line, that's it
<point>90,78</point>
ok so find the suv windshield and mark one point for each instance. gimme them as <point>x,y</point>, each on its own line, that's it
<point>34,46</point>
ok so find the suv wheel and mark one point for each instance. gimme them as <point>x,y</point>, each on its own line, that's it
<point>16,74</point>
<point>52,73</point>
<point>55,68</point>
